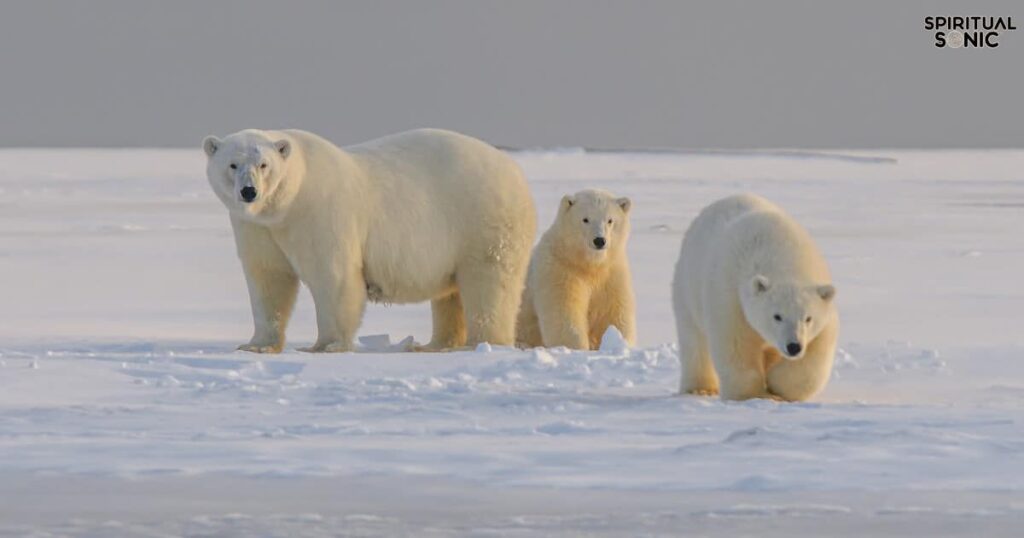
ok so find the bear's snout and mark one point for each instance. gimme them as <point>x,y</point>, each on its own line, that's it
<point>794,349</point>
<point>248,193</point>
<point>599,243</point>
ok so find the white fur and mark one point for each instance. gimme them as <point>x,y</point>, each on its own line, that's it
<point>743,261</point>
<point>424,215</point>
<point>573,290</point>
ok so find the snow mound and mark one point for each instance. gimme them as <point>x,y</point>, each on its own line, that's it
<point>613,342</point>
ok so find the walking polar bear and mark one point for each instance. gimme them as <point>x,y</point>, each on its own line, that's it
<point>579,282</point>
<point>754,305</point>
<point>417,216</point>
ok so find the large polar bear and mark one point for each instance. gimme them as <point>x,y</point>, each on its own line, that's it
<point>754,304</point>
<point>424,215</point>
<point>578,283</point>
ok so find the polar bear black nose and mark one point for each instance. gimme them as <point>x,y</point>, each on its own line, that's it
<point>248,194</point>
<point>793,349</point>
<point>599,243</point>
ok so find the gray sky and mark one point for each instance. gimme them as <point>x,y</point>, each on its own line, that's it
<point>520,73</point>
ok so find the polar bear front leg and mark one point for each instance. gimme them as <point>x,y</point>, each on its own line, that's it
<point>739,361</point>
<point>272,296</point>
<point>801,379</point>
<point>739,368</point>
<point>697,373</point>
<point>339,311</point>
<point>273,287</point>
<point>562,314</point>
<point>620,305</point>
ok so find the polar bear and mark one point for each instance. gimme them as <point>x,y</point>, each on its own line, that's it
<point>753,303</point>
<point>578,282</point>
<point>424,215</point>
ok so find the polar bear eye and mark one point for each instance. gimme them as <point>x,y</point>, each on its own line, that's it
<point>609,221</point>
<point>808,320</point>
<point>263,166</point>
<point>233,166</point>
<point>585,221</point>
<point>777,317</point>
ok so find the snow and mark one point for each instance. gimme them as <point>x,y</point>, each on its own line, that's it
<point>612,341</point>
<point>124,409</point>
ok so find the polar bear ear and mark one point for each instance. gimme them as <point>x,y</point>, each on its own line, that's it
<point>624,203</point>
<point>283,147</point>
<point>567,202</point>
<point>827,292</point>
<point>760,284</point>
<point>210,145</point>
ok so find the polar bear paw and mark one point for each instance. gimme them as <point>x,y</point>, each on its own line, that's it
<point>703,392</point>
<point>260,348</point>
<point>329,347</point>
<point>439,348</point>
<point>429,348</point>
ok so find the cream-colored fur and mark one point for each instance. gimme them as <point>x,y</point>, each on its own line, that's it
<point>749,283</point>
<point>425,215</point>
<point>574,291</point>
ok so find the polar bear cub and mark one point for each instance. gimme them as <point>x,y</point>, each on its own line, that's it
<point>754,305</point>
<point>424,215</point>
<point>579,283</point>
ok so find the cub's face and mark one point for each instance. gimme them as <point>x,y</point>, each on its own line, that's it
<point>787,315</point>
<point>594,222</point>
<point>247,171</point>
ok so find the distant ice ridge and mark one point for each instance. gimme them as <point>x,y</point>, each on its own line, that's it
<point>779,153</point>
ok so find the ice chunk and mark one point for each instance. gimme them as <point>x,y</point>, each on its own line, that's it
<point>541,356</point>
<point>376,342</point>
<point>381,343</point>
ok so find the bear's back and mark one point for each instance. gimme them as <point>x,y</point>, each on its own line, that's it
<point>737,237</point>
<point>769,241</point>
<point>707,238</point>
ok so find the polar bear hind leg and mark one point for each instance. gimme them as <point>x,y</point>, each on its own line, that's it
<point>449,323</point>
<point>490,295</point>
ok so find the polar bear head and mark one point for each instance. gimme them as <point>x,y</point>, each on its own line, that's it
<point>788,315</point>
<point>250,173</point>
<point>592,223</point>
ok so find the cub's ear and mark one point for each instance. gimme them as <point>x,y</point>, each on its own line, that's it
<point>283,147</point>
<point>567,201</point>
<point>760,284</point>
<point>827,292</point>
<point>210,145</point>
<point>624,203</point>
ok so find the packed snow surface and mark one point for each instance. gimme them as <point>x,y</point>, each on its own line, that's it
<point>124,409</point>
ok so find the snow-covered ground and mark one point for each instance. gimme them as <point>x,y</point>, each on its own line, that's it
<point>125,411</point>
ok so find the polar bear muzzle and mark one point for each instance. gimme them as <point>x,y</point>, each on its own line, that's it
<point>248,193</point>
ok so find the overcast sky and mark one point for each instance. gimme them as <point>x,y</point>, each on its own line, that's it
<point>519,73</point>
